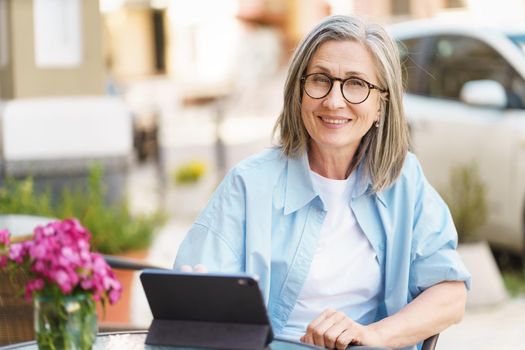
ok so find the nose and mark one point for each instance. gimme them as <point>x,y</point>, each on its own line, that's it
<point>335,99</point>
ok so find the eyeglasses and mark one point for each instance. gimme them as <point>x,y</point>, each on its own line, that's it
<point>354,90</point>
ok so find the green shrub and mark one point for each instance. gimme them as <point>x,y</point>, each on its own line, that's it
<point>114,228</point>
<point>466,198</point>
<point>18,197</point>
<point>190,172</point>
<point>514,282</point>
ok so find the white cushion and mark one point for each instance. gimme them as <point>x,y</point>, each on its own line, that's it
<point>65,128</point>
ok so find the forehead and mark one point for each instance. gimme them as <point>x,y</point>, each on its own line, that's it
<point>343,58</point>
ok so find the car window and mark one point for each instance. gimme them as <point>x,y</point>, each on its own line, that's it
<point>519,40</point>
<point>456,60</point>
<point>413,56</point>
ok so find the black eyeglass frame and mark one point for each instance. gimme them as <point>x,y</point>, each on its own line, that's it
<point>342,81</point>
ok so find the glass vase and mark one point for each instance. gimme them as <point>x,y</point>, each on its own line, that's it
<point>65,322</point>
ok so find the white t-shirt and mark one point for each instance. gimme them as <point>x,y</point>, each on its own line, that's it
<point>345,273</point>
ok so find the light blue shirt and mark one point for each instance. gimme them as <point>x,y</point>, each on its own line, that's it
<point>265,219</point>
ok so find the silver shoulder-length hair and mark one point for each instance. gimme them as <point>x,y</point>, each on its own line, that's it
<point>383,149</point>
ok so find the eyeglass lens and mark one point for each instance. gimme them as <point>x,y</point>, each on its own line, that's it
<point>319,85</point>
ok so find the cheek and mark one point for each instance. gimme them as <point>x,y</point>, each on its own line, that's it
<point>307,105</point>
<point>307,111</point>
<point>368,113</point>
<point>307,121</point>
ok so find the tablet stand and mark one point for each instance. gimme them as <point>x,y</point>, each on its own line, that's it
<point>217,335</point>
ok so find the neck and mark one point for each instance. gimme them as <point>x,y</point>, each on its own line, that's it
<point>331,163</point>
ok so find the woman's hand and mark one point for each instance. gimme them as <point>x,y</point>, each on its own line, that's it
<point>332,329</point>
<point>431,312</point>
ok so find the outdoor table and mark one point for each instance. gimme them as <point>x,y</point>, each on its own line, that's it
<point>135,340</point>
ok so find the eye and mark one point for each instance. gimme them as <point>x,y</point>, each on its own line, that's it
<point>357,83</point>
<point>320,78</point>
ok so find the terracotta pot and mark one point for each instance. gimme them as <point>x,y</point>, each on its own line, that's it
<point>119,315</point>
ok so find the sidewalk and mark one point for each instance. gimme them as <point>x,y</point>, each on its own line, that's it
<point>500,327</point>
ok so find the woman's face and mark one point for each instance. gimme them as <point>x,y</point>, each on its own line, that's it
<point>333,123</point>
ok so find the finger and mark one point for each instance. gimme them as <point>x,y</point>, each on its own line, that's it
<point>332,334</point>
<point>320,319</point>
<point>200,268</point>
<point>320,330</point>
<point>344,339</point>
<point>308,336</point>
<point>186,268</point>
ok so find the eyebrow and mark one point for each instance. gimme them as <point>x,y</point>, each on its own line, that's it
<point>347,74</point>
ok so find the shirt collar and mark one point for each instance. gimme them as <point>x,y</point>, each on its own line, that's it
<point>300,189</point>
<point>364,184</point>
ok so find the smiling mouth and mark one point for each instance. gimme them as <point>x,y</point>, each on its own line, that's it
<point>335,121</point>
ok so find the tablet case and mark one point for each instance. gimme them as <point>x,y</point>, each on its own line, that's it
<point>206,310</point>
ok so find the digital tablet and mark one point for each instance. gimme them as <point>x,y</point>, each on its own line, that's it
<point>222,311</point>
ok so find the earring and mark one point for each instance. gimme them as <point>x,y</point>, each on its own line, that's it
<point>377,123</point>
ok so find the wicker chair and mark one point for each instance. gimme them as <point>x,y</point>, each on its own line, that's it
<point>16,315</point>
<point>430,343</point>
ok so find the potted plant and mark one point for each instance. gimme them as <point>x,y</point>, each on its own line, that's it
<point>466,198</point>
<point>115,230</point>
<point>64,279</point>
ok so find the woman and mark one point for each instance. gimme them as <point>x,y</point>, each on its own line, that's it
<point>350,242</point>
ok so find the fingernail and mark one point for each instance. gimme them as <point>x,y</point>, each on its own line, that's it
<point>200,268</point>
<point>185,268</point>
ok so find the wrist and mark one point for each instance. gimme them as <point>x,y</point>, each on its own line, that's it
<point>378,336</point>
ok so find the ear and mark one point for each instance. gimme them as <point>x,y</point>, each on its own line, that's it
<point>382,104</point>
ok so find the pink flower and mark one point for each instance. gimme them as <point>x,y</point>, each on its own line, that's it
<point>4,244</point>
<point>59,255</point>
<point>83,245</point>
<point>4,237</point>
<point>33,286</point>
<point>36,284</point>
<point>86,284</point>
<point>40,267</point>
<point>38,251</point>
<point>16,252</point>
<point>114,296</point>
<point>99,264</point>
<point>3,261</point>
<point>62,279</point>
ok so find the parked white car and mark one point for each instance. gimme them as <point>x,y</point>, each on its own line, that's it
<point>465,100</point>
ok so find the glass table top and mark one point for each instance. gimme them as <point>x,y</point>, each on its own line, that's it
<point>135,341</point>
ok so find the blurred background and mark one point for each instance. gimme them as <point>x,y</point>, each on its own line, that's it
<point>127,114</point>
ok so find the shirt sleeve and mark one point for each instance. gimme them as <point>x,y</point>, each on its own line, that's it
<point>434,258</point>
<point>216,239</point>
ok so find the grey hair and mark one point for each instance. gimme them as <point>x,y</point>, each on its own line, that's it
<point>382,149</point>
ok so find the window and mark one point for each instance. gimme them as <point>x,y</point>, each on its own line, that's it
<point>454,3</point>
<point>519,40</point>
<point>456,60</point>
<point>413,57</point>
<point>400,7</point>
